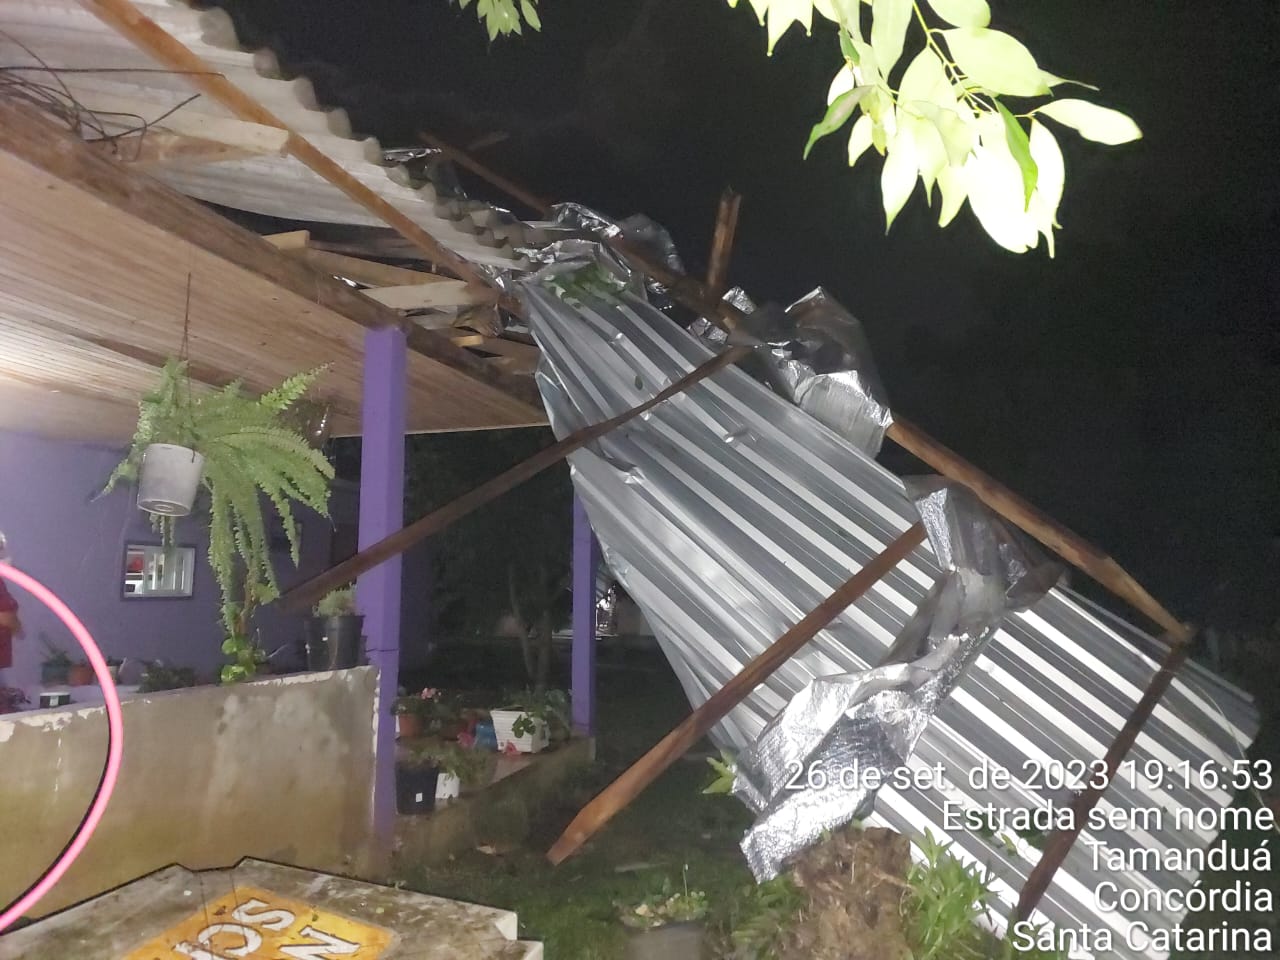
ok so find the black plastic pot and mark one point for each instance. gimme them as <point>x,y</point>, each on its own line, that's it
<point>416,789</point>
<point>334,643</point>
<point>55,674</point>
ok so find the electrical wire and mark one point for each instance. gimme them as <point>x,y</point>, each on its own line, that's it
<point>115,748</point>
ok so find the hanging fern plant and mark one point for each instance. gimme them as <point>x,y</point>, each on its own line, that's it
<point>250,453</point>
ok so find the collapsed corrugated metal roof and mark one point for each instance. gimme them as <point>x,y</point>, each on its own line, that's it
<point>76,55</point>
<point>728,513</point>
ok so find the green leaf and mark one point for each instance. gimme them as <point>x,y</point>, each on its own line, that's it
<point>847,48</point>
<point>995,188</point>
<point>951,186</point>
<point>1054,81</point>
<point>963,13</point>
<point>837,114</point>
<point>958,137</point>
<point>889,22</point>
<point>1048,157</point>
<point>1100,124</point>
<point>1020,147</point>
<point>859,138</point>
<point>931,153</point>
<point>996,61</point>
<point>925,79</point>
<point>898,177</point>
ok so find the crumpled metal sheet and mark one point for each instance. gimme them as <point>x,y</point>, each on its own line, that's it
<point>819,359</point>
<point>728,513</point>
<point>819,763</point>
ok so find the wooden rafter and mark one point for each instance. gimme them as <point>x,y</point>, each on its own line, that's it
<point>722,243</point>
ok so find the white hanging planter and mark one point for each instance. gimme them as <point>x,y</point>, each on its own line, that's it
<point>503,727</point>
<point>448,786</point>
<point>168,479</point>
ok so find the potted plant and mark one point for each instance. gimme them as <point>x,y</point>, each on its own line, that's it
<point>408,711</point>
<point>416,775</point>
<point>666,926</point>
<point>334,632</point>
<point>532,720</point>
<point>12,699</point>
<point>80,674</point>
<point>158,677</point>
<point>251,455</point>
<point>459,767</point>
<point>55,669</point>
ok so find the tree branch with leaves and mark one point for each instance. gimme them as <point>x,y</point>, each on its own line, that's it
<point>944,123</point>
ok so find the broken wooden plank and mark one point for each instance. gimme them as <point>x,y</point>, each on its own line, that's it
<point>430,296</point>
<point>369,272</point>
<point>293,240</point>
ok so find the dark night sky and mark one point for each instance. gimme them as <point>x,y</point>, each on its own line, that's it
<point>1129,387</point>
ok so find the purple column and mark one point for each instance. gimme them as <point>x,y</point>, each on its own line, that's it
<point>586,560</point>
<point>382,421</point>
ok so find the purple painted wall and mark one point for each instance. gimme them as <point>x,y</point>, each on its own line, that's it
<point>75,545</point>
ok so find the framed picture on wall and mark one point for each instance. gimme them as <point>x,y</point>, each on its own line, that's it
<point>153,571</point>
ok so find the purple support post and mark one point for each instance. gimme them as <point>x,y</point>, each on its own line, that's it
<point>382,421</point>
<point>586,561</point>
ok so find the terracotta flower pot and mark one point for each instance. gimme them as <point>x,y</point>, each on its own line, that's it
<point>80,675</point>
<point>408,725</point>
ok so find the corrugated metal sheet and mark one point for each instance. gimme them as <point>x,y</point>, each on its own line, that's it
<point>728,514</point>
<point>62,34</point>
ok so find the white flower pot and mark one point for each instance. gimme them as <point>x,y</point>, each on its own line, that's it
<point>169,479</point>
<point>503,728</point>
<point>448,786</point>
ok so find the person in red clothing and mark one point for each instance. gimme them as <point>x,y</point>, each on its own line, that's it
<point>10,625</point>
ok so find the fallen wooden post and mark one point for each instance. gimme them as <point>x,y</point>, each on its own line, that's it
<point>309,591</point>
<point>1060,843</point>
<point>674,745</point>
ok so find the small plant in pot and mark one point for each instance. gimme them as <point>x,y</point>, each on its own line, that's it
<point>416,776</point>
<point>667,926</point>
<point>12,699</point>
<point>460,768</point>
<point>251,455</point>
<point>55,668</point>
<point>532,720</point>
<point>80,674</point>
<point>409,711</point>
<point>157,676</point>
<point>334,632</point>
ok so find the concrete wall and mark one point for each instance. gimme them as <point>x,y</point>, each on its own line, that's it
<point>279,769</point>
<point>60,535</point>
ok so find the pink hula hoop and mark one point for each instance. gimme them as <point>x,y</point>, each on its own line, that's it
<point>115,726</point>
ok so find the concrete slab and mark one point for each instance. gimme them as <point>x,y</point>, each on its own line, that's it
<point>264,911</point>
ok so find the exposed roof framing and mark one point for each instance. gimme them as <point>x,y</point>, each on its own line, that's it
<point>94,259</point>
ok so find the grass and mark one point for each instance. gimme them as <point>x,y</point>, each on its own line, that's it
<point>572,908</point>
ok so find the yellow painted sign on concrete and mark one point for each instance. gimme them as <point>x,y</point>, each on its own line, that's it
<point>254,924</point>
